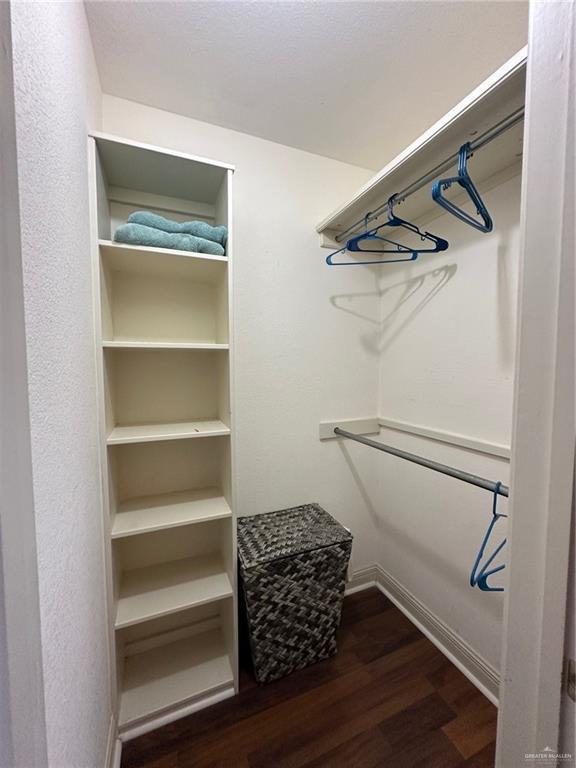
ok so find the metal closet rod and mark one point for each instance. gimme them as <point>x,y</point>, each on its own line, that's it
<point>481,141</point>
<point>466,477</point>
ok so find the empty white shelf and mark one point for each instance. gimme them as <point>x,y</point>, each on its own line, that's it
<point>169,510</point>
<point>153,344</point>
<point>147,433</point>
<point>169,675</point>
<point>139,259</point>
<point>149,168</point>
<point>158,590</point>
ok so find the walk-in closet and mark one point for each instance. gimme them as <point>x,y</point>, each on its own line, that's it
<point>288,384</point>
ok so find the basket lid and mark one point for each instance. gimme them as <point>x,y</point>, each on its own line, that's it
<point>274,535</point>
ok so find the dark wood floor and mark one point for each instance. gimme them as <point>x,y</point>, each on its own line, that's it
<point>388,698</point>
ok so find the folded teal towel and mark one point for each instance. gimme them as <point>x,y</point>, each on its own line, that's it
<point>138,234</point>
<point>196,228</point>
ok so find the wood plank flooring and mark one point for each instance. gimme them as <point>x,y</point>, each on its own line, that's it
<point>388,698</point>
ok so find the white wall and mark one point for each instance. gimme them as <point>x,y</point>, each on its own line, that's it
<point>57,98</point>
<point>299,360</point>
<point>311,343</point>
<point>22,724</point>
<point>448,334</point>
<point>447,345</point>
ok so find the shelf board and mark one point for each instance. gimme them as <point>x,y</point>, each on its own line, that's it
<point>162,678</point>
<point>169,510</point>
<point>147,168</point>
<point>139,259</point>
<point>497,97</point>
<point>159,590</point>
<point>184,430</point>
<point>152,344</point>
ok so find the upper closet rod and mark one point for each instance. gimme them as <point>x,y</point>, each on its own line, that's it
<point>481,482</point>
<point>481,141</point>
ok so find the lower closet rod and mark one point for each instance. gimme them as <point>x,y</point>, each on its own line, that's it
<point>466,477</point>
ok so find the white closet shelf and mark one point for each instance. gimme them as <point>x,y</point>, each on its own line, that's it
<point>159,590</point>
<point>184,430</point>
<point>492,101</point>
<point>138,259</point>
<point>162,678</point>
<point>169,510</point>
<point>147,168</point>
<point>122,249</point>
<point>152,344</point>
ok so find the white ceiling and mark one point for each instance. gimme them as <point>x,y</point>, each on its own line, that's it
<point>355,81</point>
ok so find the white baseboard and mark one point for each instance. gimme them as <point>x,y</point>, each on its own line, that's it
<point>117,754</point>
<point>157,721</point>
<point>457,650</point>
<point>361,579</point>
<point>114,745</point>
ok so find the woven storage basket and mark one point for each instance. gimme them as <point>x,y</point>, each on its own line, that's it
<point>293,571</point>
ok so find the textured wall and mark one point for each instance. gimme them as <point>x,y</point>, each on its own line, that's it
<point>447,362</point>
<point>301,356</point>
<point>57,99</point>
<point>22,725</point>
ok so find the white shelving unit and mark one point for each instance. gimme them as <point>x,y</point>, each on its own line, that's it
<point>166,426</point>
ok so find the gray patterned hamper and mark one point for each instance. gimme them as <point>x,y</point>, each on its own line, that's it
<point>293,571</point>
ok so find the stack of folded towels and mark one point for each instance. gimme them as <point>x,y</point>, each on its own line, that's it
<point>146,228</point>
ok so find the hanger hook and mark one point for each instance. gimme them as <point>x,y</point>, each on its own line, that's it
<point>464,180</point>
<point>495,512</point>
<point>391,203</point>
<point>463,155</point>
<point>495,499</point>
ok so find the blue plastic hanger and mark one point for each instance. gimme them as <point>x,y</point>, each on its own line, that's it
<point>411,256</point>
<point>398,248</point>
<point>355,244</point>
<point>371,236</point>
<point>464,180</point>
<point>480,579</point>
